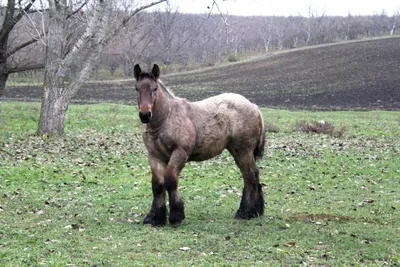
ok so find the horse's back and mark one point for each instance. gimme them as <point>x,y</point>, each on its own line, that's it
<point>234,109</point>
<point>224,121</point>
<point>227,102</point>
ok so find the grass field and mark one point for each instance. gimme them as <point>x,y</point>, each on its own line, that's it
<point>331,200</point>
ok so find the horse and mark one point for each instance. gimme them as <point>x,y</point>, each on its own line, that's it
<point>177,131</point>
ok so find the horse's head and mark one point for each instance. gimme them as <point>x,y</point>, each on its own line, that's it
<point>146,87</point>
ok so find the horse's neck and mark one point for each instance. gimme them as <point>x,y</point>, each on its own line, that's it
<point>161,110</point>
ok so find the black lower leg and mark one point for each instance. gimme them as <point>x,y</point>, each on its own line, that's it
<point>177,209</point>
<point>176,205</point>
<point>158,212</point>
<point>252,203</point>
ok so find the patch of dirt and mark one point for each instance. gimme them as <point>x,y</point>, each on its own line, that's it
<point>325,217</point>
<point>122,92</point>
<point>360,75</point>
<point>357,75</point>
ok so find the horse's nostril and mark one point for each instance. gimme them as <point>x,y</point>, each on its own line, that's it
<point>145,116</point>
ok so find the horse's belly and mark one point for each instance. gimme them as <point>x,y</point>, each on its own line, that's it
<point>206,151</point>
<point>203,157</point>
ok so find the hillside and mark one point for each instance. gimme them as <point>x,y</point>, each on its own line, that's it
<point>350,75</point>
<point>354,75</point>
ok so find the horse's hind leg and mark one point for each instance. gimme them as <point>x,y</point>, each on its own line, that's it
<point>158,212</point>
<point>252,203</point>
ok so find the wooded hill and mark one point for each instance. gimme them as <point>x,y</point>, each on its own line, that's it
<point>180,41</point>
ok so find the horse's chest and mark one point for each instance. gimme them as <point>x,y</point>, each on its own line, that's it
<point>158,146</point>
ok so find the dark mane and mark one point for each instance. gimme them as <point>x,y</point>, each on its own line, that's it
<point>147,75</point>
<point>166,89</point>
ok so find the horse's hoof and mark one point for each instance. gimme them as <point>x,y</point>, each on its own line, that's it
<point>176,219</point>
<point>242,215</point>
<point>176,224</point>
<point>150,219</point>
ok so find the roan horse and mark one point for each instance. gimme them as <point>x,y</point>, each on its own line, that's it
<point>177,131</point>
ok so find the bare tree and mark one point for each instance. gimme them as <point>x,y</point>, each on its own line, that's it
<point>186,33</point>
<point>136,37</point>
<point>68,67</point>
<point>11,15</point>
<point>312,24</point>
<point>111,60</point>
<point>204,40</point>
<point>281,33</point>
<point>266,33</point>
<point>220,41</point>
<point>166,22</point>
<point>347,23</point>
<point>391,23</point>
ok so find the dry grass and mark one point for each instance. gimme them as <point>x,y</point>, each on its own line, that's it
<point>271,128</point>
<point>322,127</point>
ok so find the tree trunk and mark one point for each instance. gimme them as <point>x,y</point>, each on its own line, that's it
<point>3,64</point>
<point>52,113</point>
<point>3,78</point>
<point>54,106</point>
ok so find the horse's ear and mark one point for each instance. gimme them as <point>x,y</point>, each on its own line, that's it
<point>155,71</point>
<point>136,72</point>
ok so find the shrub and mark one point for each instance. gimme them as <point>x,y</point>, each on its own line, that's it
<point>269,127</point>
<point>233,58</point>
<point>342,132</point>
<point>315,127</point>
<point>210,63</point>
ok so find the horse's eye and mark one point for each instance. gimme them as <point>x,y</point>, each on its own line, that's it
<point>155,89</point>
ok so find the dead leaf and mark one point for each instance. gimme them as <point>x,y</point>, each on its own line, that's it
<point>39,212</point>
<point>100,142</point>
<point>290,244</point>
<point>76,226</point>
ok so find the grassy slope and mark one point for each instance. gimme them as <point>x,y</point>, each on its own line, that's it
<point>72,201</point>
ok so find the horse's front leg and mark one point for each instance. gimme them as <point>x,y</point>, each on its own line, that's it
<point>158,212</point>
<point>176,205</point>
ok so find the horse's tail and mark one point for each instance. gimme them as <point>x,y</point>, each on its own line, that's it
<point>259,150</point>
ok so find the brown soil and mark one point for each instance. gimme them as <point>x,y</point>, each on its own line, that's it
<point>357,75</point>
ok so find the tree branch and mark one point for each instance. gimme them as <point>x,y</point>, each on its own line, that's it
<point>8,27</point>
<point>19,47</point>
<point>126,19</point>
<point>76,11</point>
<point>25,68</point>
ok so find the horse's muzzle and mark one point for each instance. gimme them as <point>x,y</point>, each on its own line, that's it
<point>145,116</point>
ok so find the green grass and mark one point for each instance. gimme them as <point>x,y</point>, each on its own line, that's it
<point>81,199</point>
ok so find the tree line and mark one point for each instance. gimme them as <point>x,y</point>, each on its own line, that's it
<point>168,36</point>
